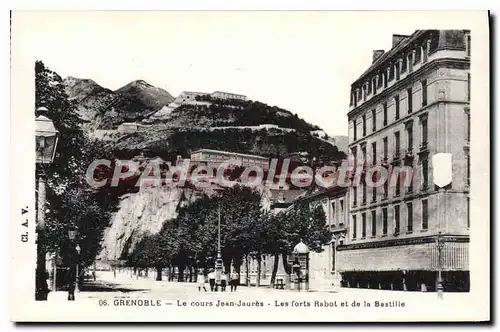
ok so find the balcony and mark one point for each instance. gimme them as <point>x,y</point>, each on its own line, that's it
<point>409,156</point>
<point>396,158</point>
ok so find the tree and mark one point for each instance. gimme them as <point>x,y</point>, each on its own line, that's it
<point>71,202</point>
<point>287,228</point>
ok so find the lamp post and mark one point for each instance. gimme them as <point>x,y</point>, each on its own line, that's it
<point>442,177</point>
<point>72,234</point>
<point>46,136</point>
<point>218,261</point>
<point>440,245</point>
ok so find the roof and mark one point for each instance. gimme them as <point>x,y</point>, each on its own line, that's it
<point>389,54</point>
<point>322,192</point>
<point>231,154</point>
<point>288,195</point>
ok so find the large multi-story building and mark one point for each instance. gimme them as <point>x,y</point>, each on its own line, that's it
<point>214,159</point>
<point>410,104</point>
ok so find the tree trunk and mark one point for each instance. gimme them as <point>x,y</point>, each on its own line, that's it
<point>191,279</point>
<point>158,273</point>
<point>247,272</point>
<point>146,273</point>
<point>259,268</point>
<point>181,273</point>
<point>275,269</point>
<point>288,269</point>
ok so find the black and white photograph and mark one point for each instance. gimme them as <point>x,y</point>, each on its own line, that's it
<point>241,166</point>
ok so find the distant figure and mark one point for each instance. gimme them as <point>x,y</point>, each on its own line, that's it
<point>211,280</point>
<point>201,282</point>
<point>223,282</point>
<point>235,280</point>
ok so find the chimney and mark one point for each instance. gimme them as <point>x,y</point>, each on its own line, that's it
<point>397,38</point>
<point>377,54</point>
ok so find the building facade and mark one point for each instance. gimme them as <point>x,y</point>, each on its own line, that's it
<point>411,103</point>
<point>323,267</point>
<point>214,159</point>
<point>227,95</point>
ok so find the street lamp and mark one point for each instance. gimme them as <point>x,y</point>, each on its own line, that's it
<point>72,234</point>
<point>46,137</point>
<point>440,245</point>
<point>218,261</point>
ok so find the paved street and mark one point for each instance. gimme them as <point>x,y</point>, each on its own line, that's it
<point>124,286</point>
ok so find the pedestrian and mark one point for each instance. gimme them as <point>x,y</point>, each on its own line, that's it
<point>235,280</point>
<point>223,282</point>
<point>201,281</point>
<point>211,280</point>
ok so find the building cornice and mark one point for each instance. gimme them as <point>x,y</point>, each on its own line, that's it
<point>402,242</point>
<point>411,77</point>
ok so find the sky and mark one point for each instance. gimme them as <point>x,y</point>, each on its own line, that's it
<point>304,62</point>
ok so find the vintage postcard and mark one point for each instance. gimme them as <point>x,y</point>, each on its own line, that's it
<point>250,166</point>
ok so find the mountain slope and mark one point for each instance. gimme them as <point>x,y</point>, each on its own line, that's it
<point>106,109</point>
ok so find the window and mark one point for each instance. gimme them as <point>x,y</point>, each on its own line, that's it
<point>425,214</point>
<point>467,160</point>
<point>354,98</point>
<point>374,120</point>
<point>354,152</point>
<point>468,212</point>
<point>467,44</point>
<point>386,188</point>
<point>397,143</point>
<point>396,103</point>
<point>354,130</point>
<point>385,79</point>
<point>374,223</point>
<point>409,226</point>
<point>354,195</point>
<point>364,125</point>
<point>404,64</point>
<point>385,147</point>
<point>363,188</point>
<point>363,225</point>
<point>363,152</point>
<point>425,173</point>
<point>391,73</point>
<point>369,84</point>
<point>384,221</point>
<point>410,100</point>
<point>333,212</point>
<point>410,62</point>
<point>364,92</point>
<point>380,80</point>
<point>385,113</point>
<point>374,83</point>
<point>341,206</point>
<point>423,123</point>
<point>396,219</point>
<point>409,133</point>
<point>374,153</point>
<point>397,71</point>
<point>374,194</point>
<point>424,93</point>
<point>424,51</point>
<point>354,230</point>
<point>418,55</point>
<point>468,87</point>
